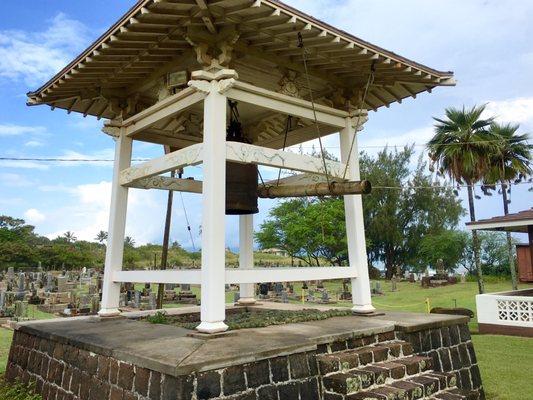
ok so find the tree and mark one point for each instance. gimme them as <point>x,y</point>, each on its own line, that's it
<point>494,257</point>
<point>129,241</point>
<point>70,237</point>
<point>101,237</point>
<point>404,206</point>
<point>461,148</point>
<point>398,213</point>
<point>510,162</point>
<point>448,246</point>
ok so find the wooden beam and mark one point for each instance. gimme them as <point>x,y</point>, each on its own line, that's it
<point>192,155</point>
<point>250,154</point>
<point>163,109</point>
<point>317,189</point>
<point>167,183</point>
<point>286,104</point>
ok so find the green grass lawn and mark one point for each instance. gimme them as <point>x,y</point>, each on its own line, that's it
<point>505,362</point>
<point>5,342</point>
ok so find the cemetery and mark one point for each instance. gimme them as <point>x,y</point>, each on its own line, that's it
<point>228,87</point>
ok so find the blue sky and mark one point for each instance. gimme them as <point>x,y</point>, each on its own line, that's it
<point>487,43</point>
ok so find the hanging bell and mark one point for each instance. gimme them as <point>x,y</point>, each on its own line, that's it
<point>241,179</point>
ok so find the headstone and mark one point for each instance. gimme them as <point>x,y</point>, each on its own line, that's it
<point>21,310</point>
<point>62,283</point>
<point>152,301</point>
<point>325,296</point>
<point>284,297</point>
<point>394,283</point>
<point>122,300</point>
<point>137,299</point>
<point>278,289</point>
<point>21,287</point>
<point>11,273</point>
<point>49,282</point>
<point>2,301</point>
<point>236,297</point>
<point>185,287</point>
<point>263,289</point>
<point>95,304</point>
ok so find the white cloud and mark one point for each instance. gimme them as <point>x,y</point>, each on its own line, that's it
<point>23,164</point>
<point>16,130</point>
<point>34,216</point>
<point>14,180</point>
<point>34,143</point>
<point>519,110</point>
<point>34,57</point>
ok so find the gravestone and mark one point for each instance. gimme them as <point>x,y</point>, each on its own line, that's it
<point>394,283</point>
<point>137,299</point>
<point>49,282</point>
<point>152,301</point>
<point>11,273</point>
<point>95,304</point>
<point>284,297</point>
<point>21,287</point>
<point>2,301</point>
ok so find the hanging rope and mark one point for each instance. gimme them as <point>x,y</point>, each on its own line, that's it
<point>287,127</point>
<point>304,56</point>
<point>180,175</point>
<point>369,83</point>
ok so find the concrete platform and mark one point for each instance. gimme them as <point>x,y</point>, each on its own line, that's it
<point>170,350</point>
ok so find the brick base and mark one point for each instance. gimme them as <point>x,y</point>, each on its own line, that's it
<point>63,372</point>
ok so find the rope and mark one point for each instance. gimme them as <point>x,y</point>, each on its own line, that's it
<point>287,127</point>
<point>363,100</point>
<point>398,306</point>
<point>304,56</point>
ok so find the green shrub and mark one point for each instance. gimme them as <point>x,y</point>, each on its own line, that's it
<point>17,392</point>
<point>159,317</point>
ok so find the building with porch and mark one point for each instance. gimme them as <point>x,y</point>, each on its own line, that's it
<point>509,313</point>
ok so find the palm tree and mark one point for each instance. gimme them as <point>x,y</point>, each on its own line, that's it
<point>460,148</point>
<point>101,237</point>
<point>70,237</point>
<point>129,241</point>
<point>511,162</point>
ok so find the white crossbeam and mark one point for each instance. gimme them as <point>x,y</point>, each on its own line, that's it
<point>238,276</point>
<point>259,275</point>
<point>192,155</point>
<point>186,276</point>
<point>247,153</point>
<point>289,105</point>
<point>162,109</point>
<point>167,183</point>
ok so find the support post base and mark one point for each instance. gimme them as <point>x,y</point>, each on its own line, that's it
<point>109,312</point>
<point>363,309</point>
<point>246,301</point>
<point>212,327</point>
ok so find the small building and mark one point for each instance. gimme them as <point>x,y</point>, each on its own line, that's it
<point>509,313</point>
<point>275,251</point>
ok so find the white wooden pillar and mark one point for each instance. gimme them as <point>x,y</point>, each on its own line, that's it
<point>213,308</point>
<point>355,228</point>
<point>246,256</point>
<point>116,230</point>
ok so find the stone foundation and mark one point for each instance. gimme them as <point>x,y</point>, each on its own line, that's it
<point>65,368</point>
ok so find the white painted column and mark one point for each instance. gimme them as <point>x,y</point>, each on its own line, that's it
<point>246,256</point>
<point>116,230</point>
<point>213,308</point>
<point>355,228</point>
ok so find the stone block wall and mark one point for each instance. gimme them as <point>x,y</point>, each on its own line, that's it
<point>451,350</point>
<point>60,371</point>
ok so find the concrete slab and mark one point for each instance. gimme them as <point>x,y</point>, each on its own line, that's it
<point>172,351</point>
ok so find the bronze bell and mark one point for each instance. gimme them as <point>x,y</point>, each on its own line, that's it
<point>241,179</point>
